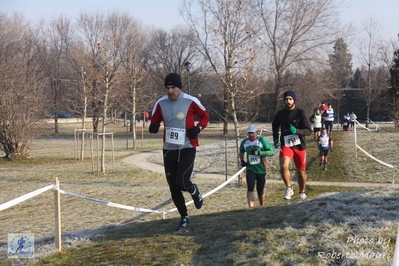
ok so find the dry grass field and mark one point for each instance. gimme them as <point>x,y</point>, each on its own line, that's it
<point>336,225</point>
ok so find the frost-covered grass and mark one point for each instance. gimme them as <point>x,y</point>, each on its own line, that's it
<point>335,226</point>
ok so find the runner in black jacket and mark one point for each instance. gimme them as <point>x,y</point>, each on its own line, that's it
<point>294,125</point>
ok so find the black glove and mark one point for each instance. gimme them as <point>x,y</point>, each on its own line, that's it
<point>254,152</point>
<point>331,148</point>
<point>154,128</point>
<point>243,163</point>
<point>193,132</point>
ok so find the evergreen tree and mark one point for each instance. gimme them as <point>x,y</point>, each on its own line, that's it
<point>357,81</point>
<point>394,87</point>
<point>341,65</point>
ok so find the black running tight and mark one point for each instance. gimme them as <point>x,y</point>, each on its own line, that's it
<point>178,166</point>
<point>259,179</point>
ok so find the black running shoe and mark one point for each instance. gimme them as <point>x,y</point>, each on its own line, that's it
<point>185,221</point>
<point>197,197</point>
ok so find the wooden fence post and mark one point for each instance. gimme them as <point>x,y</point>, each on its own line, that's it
<point>57,212</point>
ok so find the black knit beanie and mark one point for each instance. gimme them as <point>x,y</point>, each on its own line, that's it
<point>290,93</point>
<point>173,79</point>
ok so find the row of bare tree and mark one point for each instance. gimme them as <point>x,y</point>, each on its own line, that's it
<point>110,63</point>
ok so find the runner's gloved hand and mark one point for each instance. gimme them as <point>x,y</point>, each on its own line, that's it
<point>276,145</point>
<point>292,129</point>
<point>154,128</point>
<point>193,132</point>
<point>331,148</point>
<point>254,152</point>
<point>243,163</point>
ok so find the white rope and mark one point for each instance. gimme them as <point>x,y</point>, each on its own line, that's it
<point>111,203</point>
<point>131,208</point>
<point>366,128</point>
<point>224,183</point>
<point>375,159</point>
<point>368,154</point>
<point>213,190</point>
<point>376,126</point>
<point>371,156</point>
<point>149,210</point>
<point>24,197</point>
<point>153,211</point>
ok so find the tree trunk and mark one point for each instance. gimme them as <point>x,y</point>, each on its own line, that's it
<point>237,136</point>
<point>225,111</point>
<point>134,113</point>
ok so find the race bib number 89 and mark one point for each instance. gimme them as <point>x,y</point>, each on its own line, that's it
<point>175,135</point>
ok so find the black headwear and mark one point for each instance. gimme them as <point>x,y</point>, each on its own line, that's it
<point>173,79</point>
<point>290,93</point>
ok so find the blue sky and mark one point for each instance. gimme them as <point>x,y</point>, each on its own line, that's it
<point>164,13</point>
<point>160,13</point>
<point>384,12</point>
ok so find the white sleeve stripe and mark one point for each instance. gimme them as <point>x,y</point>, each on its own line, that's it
<point>195,100</point>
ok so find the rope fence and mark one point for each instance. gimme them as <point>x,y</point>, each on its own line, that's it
<point>368,154</point>
<point>116,205</point>
<point>368,129</point>
<point>57,205</point>
<point>24,197</point>
<point>58,191</point>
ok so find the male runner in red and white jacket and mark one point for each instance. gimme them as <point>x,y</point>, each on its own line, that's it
<point>177,110</point>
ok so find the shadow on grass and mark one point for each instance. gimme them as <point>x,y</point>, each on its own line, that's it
<point>292,232</point>
<point>296,214</point>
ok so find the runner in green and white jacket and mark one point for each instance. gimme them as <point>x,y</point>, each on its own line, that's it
<point>257,149</point>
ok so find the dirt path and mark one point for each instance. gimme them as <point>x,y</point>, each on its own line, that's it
<point>142,161</point>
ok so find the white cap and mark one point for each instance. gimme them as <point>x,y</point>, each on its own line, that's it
<point>251,128</point>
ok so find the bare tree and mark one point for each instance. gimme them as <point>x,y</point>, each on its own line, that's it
<point>295,33</point>
<point>103,37</point>
<point>368,46</point>
<point>79,96</point>
<point>386,50</point>
<point>312,87</point>
<point>386,55</point>
<point>51,53</point>
<point>222,30</point>
<point>170,51</point>
<point>135,55</point>
<point>21,86</point>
